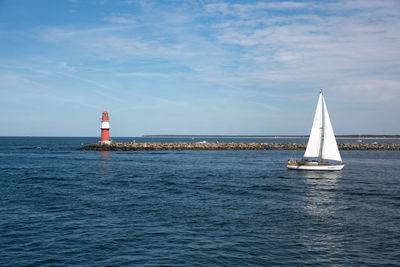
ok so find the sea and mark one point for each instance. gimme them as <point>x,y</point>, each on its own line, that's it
<point>63,207</point>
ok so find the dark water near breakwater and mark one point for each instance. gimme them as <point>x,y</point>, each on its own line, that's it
<point>60,206</point>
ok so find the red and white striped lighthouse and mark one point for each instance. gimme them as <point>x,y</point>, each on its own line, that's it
<point>105,128</point>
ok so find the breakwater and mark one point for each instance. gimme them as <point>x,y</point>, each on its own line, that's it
<point>116,146</point>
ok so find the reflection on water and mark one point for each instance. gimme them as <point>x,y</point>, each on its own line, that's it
<point>319,207</point>
<point>105,155</point>
<point>320,192</point>
<point>105,160</point>
<point>325,176</point>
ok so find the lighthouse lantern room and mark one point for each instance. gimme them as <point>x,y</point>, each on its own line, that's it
<point>105,129</point>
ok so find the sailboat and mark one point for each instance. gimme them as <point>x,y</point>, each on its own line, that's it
<point>322,152</point>
<point>359,140</point>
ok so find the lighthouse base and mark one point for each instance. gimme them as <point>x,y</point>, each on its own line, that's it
<point>105,142</point>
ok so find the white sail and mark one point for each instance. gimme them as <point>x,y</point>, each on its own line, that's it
<point>313,149</point>
<point>330,150</point>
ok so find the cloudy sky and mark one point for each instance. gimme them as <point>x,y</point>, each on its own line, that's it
<point>198,67</point>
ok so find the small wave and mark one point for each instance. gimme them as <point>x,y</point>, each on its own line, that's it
<point>46,178</point>
<point>50,261</point>
<point>30,147</point>
<point>366,194</point>
<point>135,176</point>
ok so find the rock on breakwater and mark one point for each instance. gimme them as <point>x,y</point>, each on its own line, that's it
<point>368,146</point>
<point>229,146</point>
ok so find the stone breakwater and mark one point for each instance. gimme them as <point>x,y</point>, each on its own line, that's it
<point>229,146</point>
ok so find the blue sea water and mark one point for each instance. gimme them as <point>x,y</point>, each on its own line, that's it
<point>60,206</point>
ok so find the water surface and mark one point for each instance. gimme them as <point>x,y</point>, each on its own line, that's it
<point>61,206</point>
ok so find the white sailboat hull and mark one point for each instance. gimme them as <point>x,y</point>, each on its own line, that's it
<point>316,167</point>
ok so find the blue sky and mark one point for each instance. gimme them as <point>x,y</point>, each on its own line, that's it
<point>198,67</point>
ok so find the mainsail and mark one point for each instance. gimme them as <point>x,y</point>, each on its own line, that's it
<point>322,142</point>
<point>313,149</point>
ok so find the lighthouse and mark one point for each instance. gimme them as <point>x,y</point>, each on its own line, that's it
<point>105,129</point>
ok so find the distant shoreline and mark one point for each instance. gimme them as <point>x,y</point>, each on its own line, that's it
<point>273,136</point>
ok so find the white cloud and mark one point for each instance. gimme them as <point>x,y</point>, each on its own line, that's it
<point>247,9</point>
<point>331,44</point>
<point>121,19</point>
<point>143,74</point>
<point>227,54</point>
<point>322,46</point>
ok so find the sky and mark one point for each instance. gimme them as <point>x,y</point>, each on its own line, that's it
<point>198,67</point>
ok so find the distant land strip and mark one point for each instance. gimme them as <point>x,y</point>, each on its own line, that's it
<point>351,136</point>
<point>118,146</point>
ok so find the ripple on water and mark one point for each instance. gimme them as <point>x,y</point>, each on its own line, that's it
<point>60,206</point>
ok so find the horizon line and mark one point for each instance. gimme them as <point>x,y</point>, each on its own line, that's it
<point>218,136</point>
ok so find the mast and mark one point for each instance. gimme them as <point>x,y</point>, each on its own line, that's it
<point>322,126</point>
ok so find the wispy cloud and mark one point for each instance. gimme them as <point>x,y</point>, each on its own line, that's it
<point>318,45</point>
<point>121,19</point>
<point>266,52</point>
<point>244,10</point>
<point>143,74</point>
<point>323,44</point>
